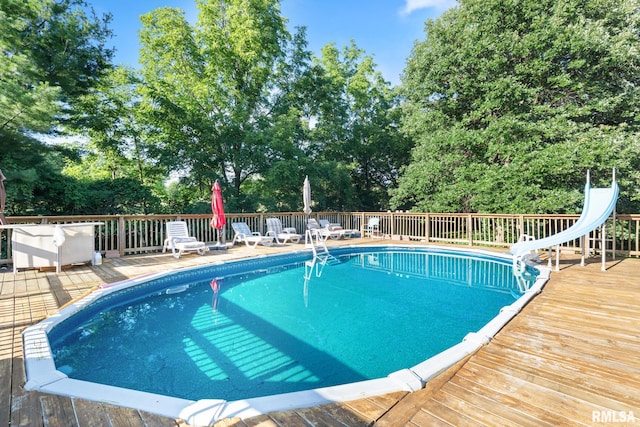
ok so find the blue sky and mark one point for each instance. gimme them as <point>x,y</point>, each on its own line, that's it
<point>385,29</point>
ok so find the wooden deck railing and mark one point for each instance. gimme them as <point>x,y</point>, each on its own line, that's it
<point>135,234</point>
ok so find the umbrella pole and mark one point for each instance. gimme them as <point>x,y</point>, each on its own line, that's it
<point>307,233</point>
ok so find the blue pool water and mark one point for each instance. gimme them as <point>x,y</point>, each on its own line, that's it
<point>290,326</point>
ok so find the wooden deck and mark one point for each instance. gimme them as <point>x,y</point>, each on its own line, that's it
<point>571,357</point>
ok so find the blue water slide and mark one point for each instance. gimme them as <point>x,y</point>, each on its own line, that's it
<point>599,203</point>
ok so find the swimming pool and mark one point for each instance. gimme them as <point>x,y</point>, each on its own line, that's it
<point>265,326</point>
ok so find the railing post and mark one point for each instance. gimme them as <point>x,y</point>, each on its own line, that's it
<point>393,224</point>
<point>637,222</point>
<point>428,228</point>
<point>521,219</point>
<point>470,229</point>
<point>615,232</point>
<point>121,235</point>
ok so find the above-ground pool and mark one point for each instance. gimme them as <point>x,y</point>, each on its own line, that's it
<point>275,332</point>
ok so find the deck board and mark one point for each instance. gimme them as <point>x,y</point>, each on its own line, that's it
<point>573,350</point>
<point>280,418</point>
<point>424,418</point>
<point>331,414</point>
<point>91,413</point>
<point>467,401</point>
<point>372,408</point>
<point>57,411</point>
<point>443,412</point>
<point>120,416</point>
<point>561,372</point>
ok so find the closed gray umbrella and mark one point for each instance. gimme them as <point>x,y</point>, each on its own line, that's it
<point>306,196</point>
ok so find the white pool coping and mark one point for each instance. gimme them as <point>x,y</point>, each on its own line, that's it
<point>43,376</point>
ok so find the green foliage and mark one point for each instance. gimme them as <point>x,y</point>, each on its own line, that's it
<point>113,117</point>
<point>503,108</point>
<point>357,126</point>
<point>27,101</point>
<point>239,99</point>
<point>51,53</point>
<point>234,97</point>
<point>511,102</point>
<point>206,87</point>
<point>118,196</point>
<point>66,39</point>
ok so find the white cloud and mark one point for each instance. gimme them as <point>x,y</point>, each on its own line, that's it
<point>413,5</point>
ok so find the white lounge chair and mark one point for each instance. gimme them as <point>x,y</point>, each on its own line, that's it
<point>323,232</point>
<point>250,238</point>
<point>337,229</point>
<point>179,240</point>
<point>281,234</point>
<point>373,227</point>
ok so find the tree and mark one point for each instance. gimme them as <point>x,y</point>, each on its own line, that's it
<point>356,126</point>
<point>510,102</point>
<point>237,98</point>
<point>334,120</point>
<point>297,95</point>
<point>52,52</point>
<point>206,87</point>
<point>113,119</point>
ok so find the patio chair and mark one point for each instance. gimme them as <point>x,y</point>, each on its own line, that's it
<point>281,234</point>
<point>337,228</point>
<point>179,240</point>
<point>250,238</point>
<point>323,232</point>
<point>373,227</point>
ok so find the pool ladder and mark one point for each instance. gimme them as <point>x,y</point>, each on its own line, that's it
<point>314,241</point>
<point>321,255</point>
<point>520,270</point>
<point>315,266</point>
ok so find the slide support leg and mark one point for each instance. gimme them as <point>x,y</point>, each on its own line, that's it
<point>604,248</point>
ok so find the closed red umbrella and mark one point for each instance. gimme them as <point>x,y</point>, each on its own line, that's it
<point>215,287</point>
<point>217,208</point>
